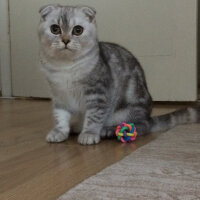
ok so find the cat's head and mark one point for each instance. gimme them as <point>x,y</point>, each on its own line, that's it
<point>66,31</point>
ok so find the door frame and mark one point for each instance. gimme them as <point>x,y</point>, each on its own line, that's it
<point>5,53</point>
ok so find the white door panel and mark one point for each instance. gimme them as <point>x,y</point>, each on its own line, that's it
<point>161,33</point>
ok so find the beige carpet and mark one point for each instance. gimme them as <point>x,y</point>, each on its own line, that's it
<point>167,168</point>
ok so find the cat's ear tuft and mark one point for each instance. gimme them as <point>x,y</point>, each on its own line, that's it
<point>45,10</point>
<point>89,11</point>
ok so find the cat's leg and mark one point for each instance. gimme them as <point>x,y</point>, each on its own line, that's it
<point>92,126</point>
<point>62,126</point>
<point>94,119</point>
<point>130,114</point>
<point>142,126</point>
<point>141,118</point>
<point>95,114</point>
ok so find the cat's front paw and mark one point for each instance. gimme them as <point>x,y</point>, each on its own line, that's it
<point>56,136</point>
<point>88,138</point>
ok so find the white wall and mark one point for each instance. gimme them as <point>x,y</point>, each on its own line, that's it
<point>5,49</point>
<point>0,75</point>
<point>159,40</point>
<point>162,34</point>
<point>198,44</point>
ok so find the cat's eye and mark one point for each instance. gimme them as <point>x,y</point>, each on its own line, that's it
<point>77,30</point>
<point>55,29</point>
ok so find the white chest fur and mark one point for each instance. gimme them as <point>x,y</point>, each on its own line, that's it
<point>67,91</point>
<point>66,86</point>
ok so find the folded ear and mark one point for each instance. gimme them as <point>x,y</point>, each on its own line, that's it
<point>90,12</point>
<point>45,10</point>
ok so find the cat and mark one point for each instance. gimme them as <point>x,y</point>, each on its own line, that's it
<point>95,85</point>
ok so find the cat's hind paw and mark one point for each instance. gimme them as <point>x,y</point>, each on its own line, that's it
<point>108,132</point>
<point>88,139</point>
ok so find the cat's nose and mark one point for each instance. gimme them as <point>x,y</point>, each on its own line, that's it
<point>65,41</point>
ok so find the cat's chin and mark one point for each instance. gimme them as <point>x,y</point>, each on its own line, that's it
<point>59,54</point>
<point>66,54</point>
<point>67,49</point>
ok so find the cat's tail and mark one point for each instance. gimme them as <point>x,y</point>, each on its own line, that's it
<point>184,116</point>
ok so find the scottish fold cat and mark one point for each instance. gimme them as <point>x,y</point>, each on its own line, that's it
<point>95,85</point>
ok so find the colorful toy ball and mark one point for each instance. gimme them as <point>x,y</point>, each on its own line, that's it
<point>126,132</point>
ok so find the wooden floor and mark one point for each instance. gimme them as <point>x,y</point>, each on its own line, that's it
<point>31,169</point>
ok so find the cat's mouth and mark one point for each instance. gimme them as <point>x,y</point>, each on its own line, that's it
<point>66,48</point>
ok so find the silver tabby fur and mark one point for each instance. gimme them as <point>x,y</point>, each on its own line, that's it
<point>95,85</point>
